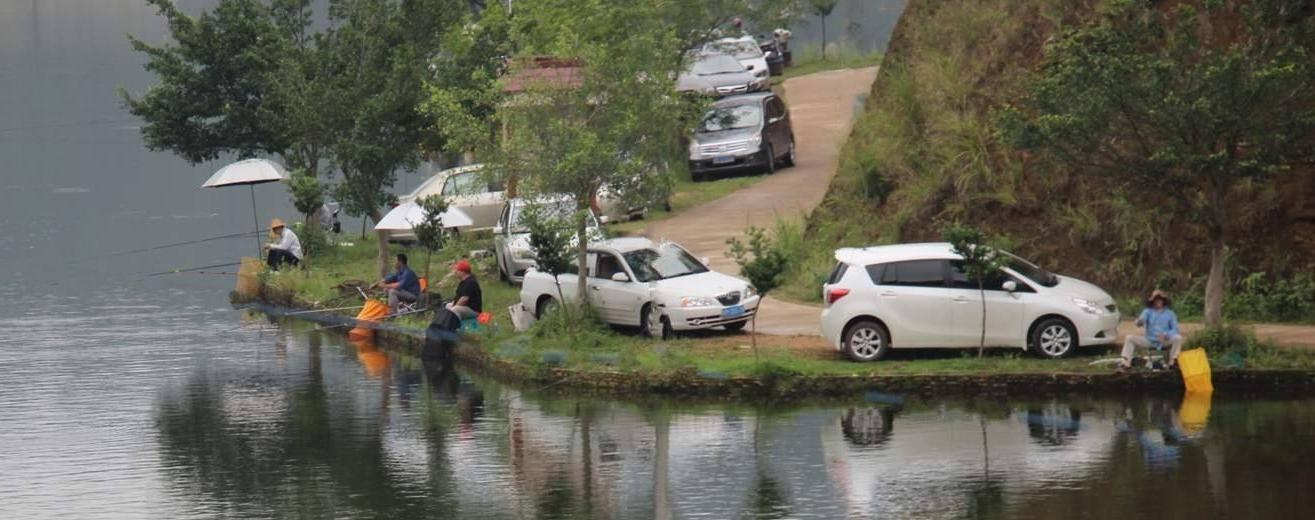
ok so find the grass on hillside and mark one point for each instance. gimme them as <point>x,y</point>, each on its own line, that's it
<point>687,194</point>
<point>808,60</point>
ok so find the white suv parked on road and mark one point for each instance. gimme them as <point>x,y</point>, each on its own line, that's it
<point>916,296</point>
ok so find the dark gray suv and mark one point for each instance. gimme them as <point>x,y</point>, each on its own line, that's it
<point>748,132</point>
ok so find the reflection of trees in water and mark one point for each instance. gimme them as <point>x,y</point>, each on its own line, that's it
<point>867,427</point>
<point>302,461</point>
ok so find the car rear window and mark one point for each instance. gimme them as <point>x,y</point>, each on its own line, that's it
<point>916,273</point>
<point>837,273</point>
<point>875,271</point>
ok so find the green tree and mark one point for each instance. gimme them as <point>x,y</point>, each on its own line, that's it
<point>762,262</point>
<point>430,231</point>
<point>823,8</point>
<point>378,56</point>
<point>981,260</point>
<point>307,195</point>
<point>243,78</point>
<point>1191,108</point>
<point>550,241</point>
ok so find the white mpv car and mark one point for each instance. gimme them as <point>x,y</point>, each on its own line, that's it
<point>916,296</point>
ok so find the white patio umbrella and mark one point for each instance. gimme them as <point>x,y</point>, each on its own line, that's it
<point>249,172</point>
<point>405,216</point>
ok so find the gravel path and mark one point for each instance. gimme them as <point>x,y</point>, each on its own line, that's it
<point>822,111</point>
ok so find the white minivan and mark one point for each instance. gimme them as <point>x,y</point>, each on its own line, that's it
<point>917,296</point>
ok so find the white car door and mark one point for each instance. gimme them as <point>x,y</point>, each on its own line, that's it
<point>915,303</point>
<point>619,302</point>
<point>500,240</point>
<point>1004,311</point>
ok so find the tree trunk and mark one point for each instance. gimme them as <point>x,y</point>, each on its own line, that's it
<point>581,257</point>
<point>981,346</point>
<point>1214,285</point>
<point>382,259</point>
<point>823,37</point>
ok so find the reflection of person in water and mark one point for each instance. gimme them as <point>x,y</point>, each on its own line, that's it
<point>867,426</point>
<point>1053,429</point>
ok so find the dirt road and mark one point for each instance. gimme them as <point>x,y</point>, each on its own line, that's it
<point>822,110</point>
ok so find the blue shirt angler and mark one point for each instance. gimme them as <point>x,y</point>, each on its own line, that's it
<point>1157,322</point>
<point>406,280</point>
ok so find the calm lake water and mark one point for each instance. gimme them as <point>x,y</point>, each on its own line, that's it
<point>125,395</point>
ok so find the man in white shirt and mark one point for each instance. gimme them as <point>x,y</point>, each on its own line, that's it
<point>285,247</point>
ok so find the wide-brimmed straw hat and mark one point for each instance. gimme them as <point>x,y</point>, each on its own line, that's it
<point>275,224</point>
<point>1150,301</point>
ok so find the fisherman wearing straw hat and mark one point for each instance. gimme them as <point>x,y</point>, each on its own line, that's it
<point>284,247</point>
<point>1161,331</point>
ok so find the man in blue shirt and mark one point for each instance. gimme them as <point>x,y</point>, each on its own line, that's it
<point>402,286</point>
<point>1161,330</point>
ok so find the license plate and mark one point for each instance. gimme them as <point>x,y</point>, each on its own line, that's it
<point>733,311</point>
<point>723,160</point>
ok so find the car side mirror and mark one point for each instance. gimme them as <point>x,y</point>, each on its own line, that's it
<point>497,230</point>
<point>620,277</point>
<point>1010,285</point>
<point>604,219</point>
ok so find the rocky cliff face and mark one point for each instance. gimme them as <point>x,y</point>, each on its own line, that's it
<point>925,152</point>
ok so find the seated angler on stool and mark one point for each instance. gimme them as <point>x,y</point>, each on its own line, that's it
<point>284,247</point>
<point>469,300</point>
<point>402,286</point>
<point>1161,331</point>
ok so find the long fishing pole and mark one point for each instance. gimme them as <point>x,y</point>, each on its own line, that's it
<point>185,243</point>
<point>200,269</point>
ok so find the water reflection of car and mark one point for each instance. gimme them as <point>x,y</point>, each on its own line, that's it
<point>511,240</point>
<point>867,426</point>
<point>466,188</point>
<point>660,288</point>
<point>716,74</point>
<point>917,296</point>
<point>745,50</point>
<point>750,132</point>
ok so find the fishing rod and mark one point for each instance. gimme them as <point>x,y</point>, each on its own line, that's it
<point>198,270</point>
<point>179,244</point>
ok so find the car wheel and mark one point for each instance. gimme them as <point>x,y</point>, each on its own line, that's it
<point>790,156</point>
<point>866,340</point>
<point>655,325</point>
<point>1054,338</point>
<point>502,272</point>
<point>546,306</point>
<point>771,160</point>
<point>697,176</point>
<point>736,327</point>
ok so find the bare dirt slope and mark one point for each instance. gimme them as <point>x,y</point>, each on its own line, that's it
<point>822,110</point>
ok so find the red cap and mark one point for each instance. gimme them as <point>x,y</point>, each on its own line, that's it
<point>462,266</point>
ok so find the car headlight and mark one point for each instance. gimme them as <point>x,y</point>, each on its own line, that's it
<point>756,141</point>
<point>1088,306</point>
<point>750,292</point>
<point>693,149</point>
<point>522,254</point>
<point>697,301</point>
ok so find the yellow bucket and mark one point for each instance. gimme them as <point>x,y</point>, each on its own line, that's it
<point>1195,367</point>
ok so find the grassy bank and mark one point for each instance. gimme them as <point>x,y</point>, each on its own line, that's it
<point>580,344</point>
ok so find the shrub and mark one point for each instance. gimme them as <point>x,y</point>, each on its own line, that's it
<point>1228,339</point>
<point>760,259</point>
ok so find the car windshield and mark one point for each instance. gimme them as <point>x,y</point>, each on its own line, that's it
<point>712,64</point>
<point>731,118</point>
<point>666,261</point>
<point>1031,271</point>
<point>740,49</point>
<point>561,209</point>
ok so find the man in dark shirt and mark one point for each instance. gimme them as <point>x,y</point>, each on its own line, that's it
<point>469,300</point>
<point>402,286</point>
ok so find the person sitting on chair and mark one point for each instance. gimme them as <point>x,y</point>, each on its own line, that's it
<point>285,248</point>
<point>402,286</point>
<point>1161,331</point>
<point>469,300</point>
